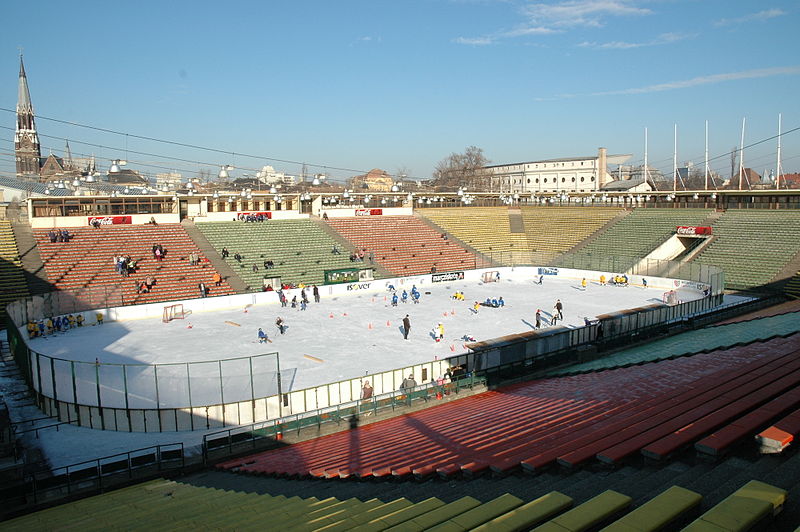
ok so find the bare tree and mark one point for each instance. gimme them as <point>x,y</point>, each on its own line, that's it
<point>461,169</point>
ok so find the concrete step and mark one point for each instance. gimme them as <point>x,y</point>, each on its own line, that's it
<point>35,274</point>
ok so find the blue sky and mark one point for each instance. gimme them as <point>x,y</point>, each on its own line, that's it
<point>400,85</point>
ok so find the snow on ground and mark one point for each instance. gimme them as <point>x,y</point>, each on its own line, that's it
<point>345,342</point>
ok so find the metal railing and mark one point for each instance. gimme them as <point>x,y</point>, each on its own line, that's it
<point>104,472</point>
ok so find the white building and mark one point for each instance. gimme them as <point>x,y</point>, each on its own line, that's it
<point>574,174</point>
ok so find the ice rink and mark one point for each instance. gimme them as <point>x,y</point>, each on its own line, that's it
<point>350,335</point>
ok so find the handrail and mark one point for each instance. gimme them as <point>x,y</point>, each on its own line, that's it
<point>103,467</point>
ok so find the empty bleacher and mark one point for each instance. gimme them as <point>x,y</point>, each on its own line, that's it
<point>486,229</point>
<point>84,266</point>
<point>752,246</point>
<point>183,505</point>
<point>641,231</point>
<point>299,249</point>
<point>404,245</point>
<point>690,342</point>
<point>609,415</point>
<point>555,230</point>
<point>12,278</point>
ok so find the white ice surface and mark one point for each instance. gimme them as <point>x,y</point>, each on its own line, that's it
<point>345,343</point>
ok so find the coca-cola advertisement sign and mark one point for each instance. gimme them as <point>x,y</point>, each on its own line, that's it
<point>369,212</point>
<point>110,220</point>
<point>690,230</point>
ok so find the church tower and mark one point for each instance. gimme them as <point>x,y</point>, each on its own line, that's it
<point>26,140</point>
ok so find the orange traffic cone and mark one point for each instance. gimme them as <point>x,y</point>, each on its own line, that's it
<point>330,315</point>
<point>369,326</point>
<point>388,324</point>
<point>452,347</point>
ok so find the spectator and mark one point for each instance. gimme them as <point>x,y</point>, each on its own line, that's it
<point>225,253</point>
<point>203,289</point>
<point>408,383</point>
<point>366,391</point>
<point>217,278</point>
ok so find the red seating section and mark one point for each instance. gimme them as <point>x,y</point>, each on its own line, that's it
<point>404,245</point>
<point>84,265</point>
<point>655,408</point>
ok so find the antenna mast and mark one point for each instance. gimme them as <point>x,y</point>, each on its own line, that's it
<point>778,165</point>
<point>741,158</point>
<point>675,159</point>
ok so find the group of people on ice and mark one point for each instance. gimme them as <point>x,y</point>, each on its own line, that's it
<point>404,296</point>
<point>51,325</point>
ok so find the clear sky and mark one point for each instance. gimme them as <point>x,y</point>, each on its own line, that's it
<point>400,85</point>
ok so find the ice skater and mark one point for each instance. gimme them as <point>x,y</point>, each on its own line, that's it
<point>394,300</point>
<point>280,324</point>
<point>406,327</point>
<point>558,309</point>
<point>439,332</point>
<point>538,318</point>
<point>262,336</point>
<point>583,283</point>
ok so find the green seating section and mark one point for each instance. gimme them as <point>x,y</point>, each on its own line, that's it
<point>300,250</point>
<point>641,231</point>
<point>554,230</point>
<point>591,513</point>
<point>169,505</point>
<point>486,229</point>
<point>659,512</point>
<point>750,505</point>
<point>753,246</point>
<point>691,342</point>
<point>12,278</point>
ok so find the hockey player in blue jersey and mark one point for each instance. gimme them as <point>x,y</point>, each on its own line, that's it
<point>262,336</point>
<point>394,300</point>
<point>404,297</point>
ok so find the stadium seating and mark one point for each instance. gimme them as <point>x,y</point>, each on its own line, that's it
<point>299,249</point>
<point>404,245</point>
<point>793,286</point>
<point>752,246</point>
<point>84,266</point>
<point>643,230</point>
<point>610,415</point>
<point>571,225</point>
<point>11,277</point>
<point>486,229</point>
<point>178,505</point>
<point>751,505</point>
<point>690,342</point>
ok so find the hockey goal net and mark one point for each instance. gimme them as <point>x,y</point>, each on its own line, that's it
<point>173,312</point>
<point>490,277</point>
<point>670,298</point>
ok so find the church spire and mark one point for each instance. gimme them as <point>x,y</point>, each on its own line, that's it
<point>26,140</point>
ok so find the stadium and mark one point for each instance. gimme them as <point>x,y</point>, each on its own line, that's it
<point>666,396</point>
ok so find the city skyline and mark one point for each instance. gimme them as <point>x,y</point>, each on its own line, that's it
<point>399,87</point>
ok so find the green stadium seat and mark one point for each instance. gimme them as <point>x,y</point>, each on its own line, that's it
<point>658,513</point>
<point>589,514</point>
<point>529,514</point>
<point>750,505</point>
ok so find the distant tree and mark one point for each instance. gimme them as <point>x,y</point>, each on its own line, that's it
<point>734,153</point>
<point>461,169</point>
